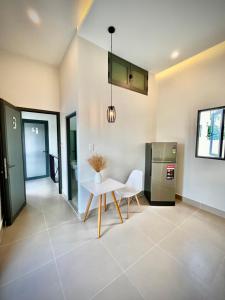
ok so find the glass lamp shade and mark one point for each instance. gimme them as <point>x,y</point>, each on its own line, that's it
<point>111,114</point>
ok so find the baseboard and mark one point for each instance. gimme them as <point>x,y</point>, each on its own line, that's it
<point>191,202</point>
<point>202,206</point>
<point>213,210</point>
<point>74,210</point>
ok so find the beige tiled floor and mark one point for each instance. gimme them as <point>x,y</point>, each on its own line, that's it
<point>158,253</point>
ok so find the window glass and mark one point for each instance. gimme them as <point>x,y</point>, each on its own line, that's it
<point>119,73</point>
<point>138,80</point>
<point>209,133</point>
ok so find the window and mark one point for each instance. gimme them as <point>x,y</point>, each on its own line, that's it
<point>210,133</point>
<point>127,75</point>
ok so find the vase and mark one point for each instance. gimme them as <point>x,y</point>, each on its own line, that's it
<point>98,177</point>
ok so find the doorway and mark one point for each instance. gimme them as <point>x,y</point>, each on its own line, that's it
<point>36,148</point>
<point>12,165</point>
<point>44,156</point>
<point>71,134</point>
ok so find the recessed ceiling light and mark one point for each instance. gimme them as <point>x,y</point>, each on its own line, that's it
<point>174,54</point>
<point>33,16</point>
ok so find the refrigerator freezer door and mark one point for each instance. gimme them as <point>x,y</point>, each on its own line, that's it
<point>164,152</point>
<point>163,182</point>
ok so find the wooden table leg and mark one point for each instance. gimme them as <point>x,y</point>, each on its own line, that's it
<point>99,215</point>
<point>88,207</point>
<point>117,207</point>
<point>105,207</point>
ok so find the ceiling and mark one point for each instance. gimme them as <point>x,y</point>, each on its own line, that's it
<point>45,40</point>
<point>148,31</point>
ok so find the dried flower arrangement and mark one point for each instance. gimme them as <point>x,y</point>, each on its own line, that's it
<point>97,162</point>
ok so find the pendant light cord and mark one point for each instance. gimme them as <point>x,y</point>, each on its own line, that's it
<point>111,69</point>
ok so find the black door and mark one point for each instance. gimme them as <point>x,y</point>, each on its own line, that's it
<point>11,162</point>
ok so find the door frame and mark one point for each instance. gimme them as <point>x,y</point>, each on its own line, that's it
<point>57,114</point>
<point>5,194</point>
<point>46,147</point>
<point>68,117</point>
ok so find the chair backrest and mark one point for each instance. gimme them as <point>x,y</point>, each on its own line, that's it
<point>135,180</point>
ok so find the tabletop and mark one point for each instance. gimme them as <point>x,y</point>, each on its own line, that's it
<point>108,185</point>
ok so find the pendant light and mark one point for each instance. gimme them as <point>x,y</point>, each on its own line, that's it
<point>111,111</point>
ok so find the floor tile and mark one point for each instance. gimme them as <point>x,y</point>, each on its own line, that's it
<point>50,201</point>
<point>126,243</point>
<point>34,201</point>
<point>41,284</point>
<point>29,222</point>
<point>41,188</point>
<point>110,220</point>
<point>175,214</point>
<point>68,236</point>
<point>86,270</point>
<point>200,258</point>
<point>217,287</point>
<point>57,214</point>
<point>25,256</point>
<point>153,225</point>
<point>212,219</point>
<point>119,289</point>
<point>158,276</point>
<point>188,264</point>
<point>205,231</point>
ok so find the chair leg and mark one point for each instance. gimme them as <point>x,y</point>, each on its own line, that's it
<point>138,203</point>
<point>88,207</point>
<point>120,201</point>
<point>99,215</point>
<point>128,204</point>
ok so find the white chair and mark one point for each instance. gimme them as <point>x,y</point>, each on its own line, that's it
<point>134,186</point>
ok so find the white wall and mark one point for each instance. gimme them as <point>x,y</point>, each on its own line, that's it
<point>68,77</point>
<point>121,143</point>
<point>28,83</point>
<point>195,84</point>
<point>52,128</point>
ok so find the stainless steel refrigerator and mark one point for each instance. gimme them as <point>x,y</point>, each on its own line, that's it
<point>160,173</point>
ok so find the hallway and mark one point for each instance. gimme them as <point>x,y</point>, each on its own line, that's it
<point>29,247</point>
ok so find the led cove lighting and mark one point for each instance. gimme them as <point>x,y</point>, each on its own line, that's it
<point>174,54</point>
<point>33,16</point>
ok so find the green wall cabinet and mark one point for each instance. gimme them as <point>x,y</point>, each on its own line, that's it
<point>124,74</point>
